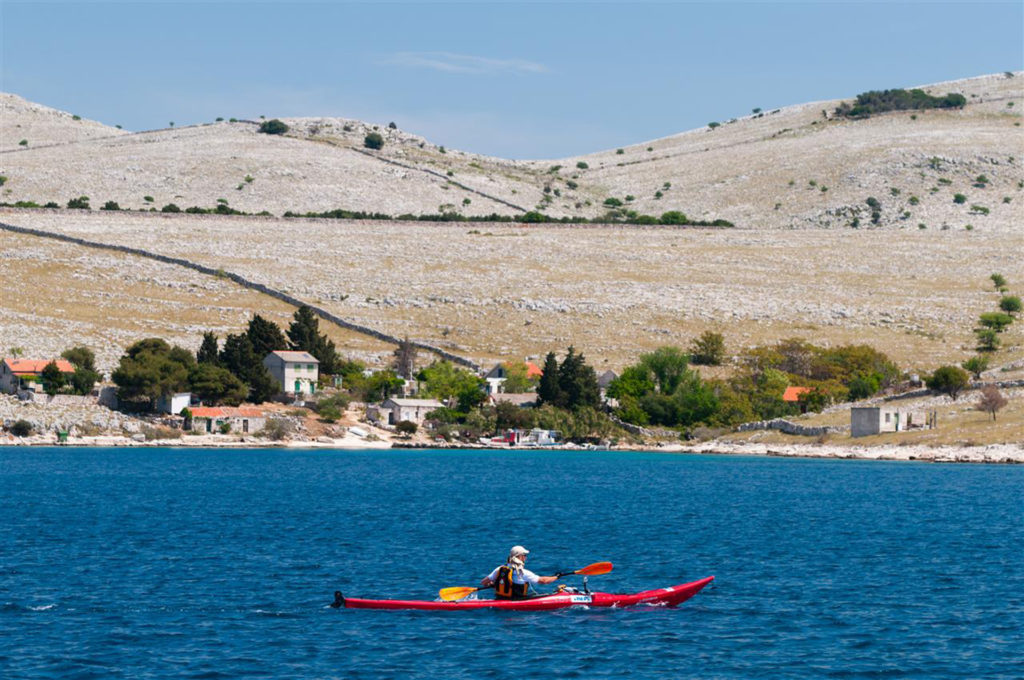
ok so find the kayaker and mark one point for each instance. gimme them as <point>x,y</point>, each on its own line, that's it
<point>512,580</point>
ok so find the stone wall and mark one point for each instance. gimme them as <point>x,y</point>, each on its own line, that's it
<point>244,282</point>
<point>783,425</point>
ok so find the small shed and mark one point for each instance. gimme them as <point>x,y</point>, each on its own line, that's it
<point>174,403</point>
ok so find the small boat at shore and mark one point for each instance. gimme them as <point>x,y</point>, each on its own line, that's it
<point>660,597</point>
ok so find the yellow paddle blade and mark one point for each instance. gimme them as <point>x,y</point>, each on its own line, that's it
<point>456,593</point>
<point>595,569</point>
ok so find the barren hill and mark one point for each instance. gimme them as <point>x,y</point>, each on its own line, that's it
<point>795,167</point>
<point>794,181</point>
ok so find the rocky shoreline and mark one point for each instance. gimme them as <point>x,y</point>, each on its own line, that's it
<point>993,454</point>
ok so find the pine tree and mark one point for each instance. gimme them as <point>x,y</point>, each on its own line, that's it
<point>239,358</point>
<point>265,336</point>
<point>208,351</point>
<point>304,334</point>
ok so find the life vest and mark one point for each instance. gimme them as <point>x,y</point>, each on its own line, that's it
<point>506,589</point>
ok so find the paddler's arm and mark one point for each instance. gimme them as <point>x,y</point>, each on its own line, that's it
<point>544,580</point>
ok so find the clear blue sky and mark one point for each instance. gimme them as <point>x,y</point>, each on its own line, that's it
<point>519,80</point>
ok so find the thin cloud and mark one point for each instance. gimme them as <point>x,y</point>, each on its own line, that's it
<point>464,63</point>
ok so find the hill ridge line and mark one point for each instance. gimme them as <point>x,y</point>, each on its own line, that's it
<point>245,283</point>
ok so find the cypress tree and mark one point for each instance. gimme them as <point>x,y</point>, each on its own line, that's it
<point>208,351</point>
<point>304,334</point>
<point>548,390</point>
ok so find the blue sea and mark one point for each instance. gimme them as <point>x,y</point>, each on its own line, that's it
<point>163,563</point>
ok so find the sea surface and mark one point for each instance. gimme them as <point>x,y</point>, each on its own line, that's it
<point>164,563</point>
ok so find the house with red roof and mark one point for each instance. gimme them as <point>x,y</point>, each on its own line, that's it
<point>792,396</point>
<point>27,374</point>
<point>240,420</point>
<point>495,378</point>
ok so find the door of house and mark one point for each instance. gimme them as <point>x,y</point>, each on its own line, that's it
<point>298,387</point>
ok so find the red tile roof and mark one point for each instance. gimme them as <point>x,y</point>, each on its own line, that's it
<point>793,393</point>
<point>226,412</point>
<point>36,366</point>
<point>532,370</point>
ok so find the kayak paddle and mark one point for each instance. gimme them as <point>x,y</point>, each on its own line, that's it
<point>459,592</point>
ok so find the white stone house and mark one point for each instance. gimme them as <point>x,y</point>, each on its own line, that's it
<point>868,420</point>
<point>295,372</point>
<point>495,378</point>
<point>395,409</point>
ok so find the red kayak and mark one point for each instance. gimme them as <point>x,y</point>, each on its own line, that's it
<point>664,597</point>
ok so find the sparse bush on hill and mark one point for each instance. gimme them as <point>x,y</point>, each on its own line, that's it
<point>374,140</point>
<point>875,101</point>
<point>23,142</point>
<point>714,124</point>
<point>976,365</point>
<point>273,127</point>
<point>3,180</point>
<point>582,166</point>
<point>1010,304</point>
<point>170,208</point>
<point>959,198</point>
<point>80,203</point>
<point>110,205</point>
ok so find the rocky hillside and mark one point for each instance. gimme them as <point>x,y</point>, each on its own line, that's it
<point>796,167</point>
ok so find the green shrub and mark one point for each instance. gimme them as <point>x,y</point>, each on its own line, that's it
<point>913,200</point>
<point>23,142</point>
<point>375,140</point>
<point>76,117</point>
<point>110,205</point>
<point>979,210</point>
<point>713,124</point>
<point>147,199</point>
<point>959,198</point>
<point>21,428</point>
<point>875,101</point>
<point>273,127</point>
<point>582,166</point>
<point>612,202</point>
<point>997,321</point>
<point>170,208</point>
<point>219,119</point>
<point>571,184</point>
<point>1011,304</point>
<point>3,180</point>
<point>976,365</point>
<point>949,380</point>
<point>619,152</point>
<point>406,427</point>
<point>80,203</point>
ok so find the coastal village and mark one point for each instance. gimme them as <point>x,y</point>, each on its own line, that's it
<point>38,406</point>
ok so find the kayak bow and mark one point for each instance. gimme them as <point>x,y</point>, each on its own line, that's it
<point>665,597</point>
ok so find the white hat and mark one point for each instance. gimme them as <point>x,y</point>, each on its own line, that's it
<point>518,550</point>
